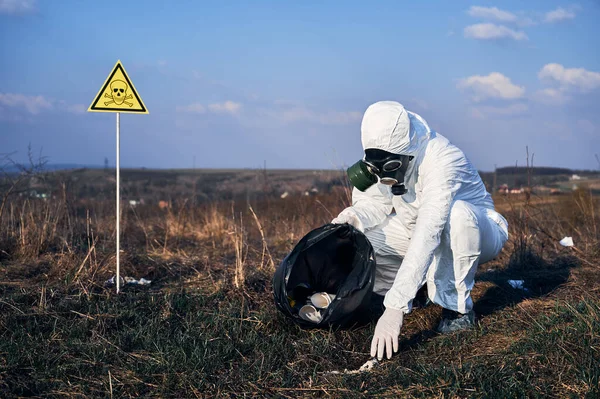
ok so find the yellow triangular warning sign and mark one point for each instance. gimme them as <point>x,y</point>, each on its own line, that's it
<point>118,94</point>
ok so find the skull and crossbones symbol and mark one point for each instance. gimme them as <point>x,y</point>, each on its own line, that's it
<point>118,94</point>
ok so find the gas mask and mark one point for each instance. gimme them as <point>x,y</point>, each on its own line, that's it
<point>380,165</point>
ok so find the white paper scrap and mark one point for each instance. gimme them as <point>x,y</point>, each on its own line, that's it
<point>566,242</point>
<point>368,366</point>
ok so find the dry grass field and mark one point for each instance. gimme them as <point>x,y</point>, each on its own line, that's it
<point>206,327</point>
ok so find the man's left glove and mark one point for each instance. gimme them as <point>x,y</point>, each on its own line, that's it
<point>386,333</point>
<point>349,216</point>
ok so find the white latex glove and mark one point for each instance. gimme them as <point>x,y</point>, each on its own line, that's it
<point>386,333</point>
<point>347,216</point>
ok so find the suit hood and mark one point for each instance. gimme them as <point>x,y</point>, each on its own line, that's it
<point>388,126</point>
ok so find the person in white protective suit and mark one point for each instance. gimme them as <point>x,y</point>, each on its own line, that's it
<point>426,212</point>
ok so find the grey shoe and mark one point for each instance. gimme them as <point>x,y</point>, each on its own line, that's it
<point>454,321</point>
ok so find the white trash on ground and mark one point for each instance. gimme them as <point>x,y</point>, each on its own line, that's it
<point>368,366</point>
<point>126,281</point>
<point>566,242</point>
<point>142,281</point>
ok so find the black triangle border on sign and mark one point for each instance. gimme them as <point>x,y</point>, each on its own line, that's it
<point>119,66</point>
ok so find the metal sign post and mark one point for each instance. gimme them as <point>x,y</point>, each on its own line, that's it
<point>118,200</point>
<point>118,94</point>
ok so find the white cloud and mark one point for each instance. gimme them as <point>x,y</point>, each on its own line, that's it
<point>19,105</point>
<point>339,117</point>
<point>488,31</point>
<point>294,114</point>
<point>279,112</point>
<point>229,107</point>
<point>484,112</point>
<point>494,85</point>
<point>550,96</point>
<point>289,112</point>
<point>301,113</point>
<point>32,104</point>
<point>17,6</point>
<point>497,15</point>
<point>195,108</point>
<point>496,21</point>
<point>570,78</point>
<point>559,15</point>
<point>526,21</point>
<point>491,13</point>
<point>76,108</point>
<point>62,105</point>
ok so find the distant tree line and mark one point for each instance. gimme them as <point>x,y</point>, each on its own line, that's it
<point>541,171</point>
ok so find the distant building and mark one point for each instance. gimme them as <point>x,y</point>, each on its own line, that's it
<point>36,194</point>
<point>575,177</point>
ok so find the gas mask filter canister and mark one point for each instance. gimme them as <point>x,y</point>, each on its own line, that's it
<point>388,167</point>
<point>360,176</point>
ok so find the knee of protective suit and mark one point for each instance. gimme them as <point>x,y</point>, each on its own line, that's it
<point>376,238</point>
<point>463,226</point>
<point>389,241</point>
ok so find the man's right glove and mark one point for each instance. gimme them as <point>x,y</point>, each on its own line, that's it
<point>386,333</point>
<point>348,216</point>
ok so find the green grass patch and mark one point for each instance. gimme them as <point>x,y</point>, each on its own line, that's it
<point>146,344</point>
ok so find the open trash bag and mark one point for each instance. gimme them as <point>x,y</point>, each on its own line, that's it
<point>335,259</point>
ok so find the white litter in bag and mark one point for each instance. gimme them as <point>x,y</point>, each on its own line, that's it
<point>322,300</point>
<point>310,313</point>
<point>566,242</point>
<point>314,304</point>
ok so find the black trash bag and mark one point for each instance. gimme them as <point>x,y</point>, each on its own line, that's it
<point>337,259</point>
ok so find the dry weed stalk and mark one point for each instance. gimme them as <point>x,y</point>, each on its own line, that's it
<point>143,227</point>
<point>265,248</point>
<point>168,222</point>
<point>174,226</point>
<point>545,222</point>
<point>237,238</point>
<point>90,251</point>
<point>214,226</point>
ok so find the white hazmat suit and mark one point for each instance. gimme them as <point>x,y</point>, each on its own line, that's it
<point>438,232</point>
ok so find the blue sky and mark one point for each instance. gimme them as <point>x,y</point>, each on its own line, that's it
<point>235,84</point>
